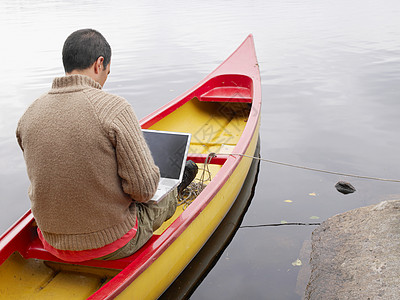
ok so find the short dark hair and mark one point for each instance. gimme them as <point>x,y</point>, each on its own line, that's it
<point>82,48</point>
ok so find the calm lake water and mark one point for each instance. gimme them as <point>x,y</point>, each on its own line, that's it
<point>330,80</point>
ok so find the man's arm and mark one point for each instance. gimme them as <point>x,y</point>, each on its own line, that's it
<point>139,174</point>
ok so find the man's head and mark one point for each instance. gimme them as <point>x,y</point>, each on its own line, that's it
<point>87,52</point>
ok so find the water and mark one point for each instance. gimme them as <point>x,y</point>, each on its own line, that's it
<point>330,78</point>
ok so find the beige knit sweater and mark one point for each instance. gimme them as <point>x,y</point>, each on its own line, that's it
<point>87,160</point>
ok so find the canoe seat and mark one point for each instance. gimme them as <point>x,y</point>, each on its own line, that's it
<point>228,94</point>
<point>35,250</point>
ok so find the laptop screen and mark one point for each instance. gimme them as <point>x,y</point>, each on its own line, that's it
<point>169,151</point>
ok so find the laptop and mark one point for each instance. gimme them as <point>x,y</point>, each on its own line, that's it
<point>169,150</point>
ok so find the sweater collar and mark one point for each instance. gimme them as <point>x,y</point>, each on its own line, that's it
<point>73,83</point>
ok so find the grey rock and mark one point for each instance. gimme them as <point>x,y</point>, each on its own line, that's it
<point>355,255</point>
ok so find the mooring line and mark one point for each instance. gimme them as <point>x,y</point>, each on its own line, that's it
<point>310,169</point>
<point>280,224</point>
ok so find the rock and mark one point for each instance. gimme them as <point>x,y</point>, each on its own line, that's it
<point>345,187</point>
<point>355,255</point>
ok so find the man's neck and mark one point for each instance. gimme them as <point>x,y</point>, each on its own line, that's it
<point>86,72</point>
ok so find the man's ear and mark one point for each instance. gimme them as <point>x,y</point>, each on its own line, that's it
<point>98,65</point>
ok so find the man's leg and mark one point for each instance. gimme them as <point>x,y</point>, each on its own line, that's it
<point>150,217</point>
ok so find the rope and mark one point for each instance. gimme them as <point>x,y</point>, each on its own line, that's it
<point>279,224</point>
<point>197,186</point>
<point>310,169</point>
<point>190,193</point>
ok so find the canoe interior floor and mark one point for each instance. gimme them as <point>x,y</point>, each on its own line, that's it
<point>36,279</point>
<point>212,124</point>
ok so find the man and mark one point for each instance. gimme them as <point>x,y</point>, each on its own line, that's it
<point>91,171</point>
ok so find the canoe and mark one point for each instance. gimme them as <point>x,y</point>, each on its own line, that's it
<point>222,112</point>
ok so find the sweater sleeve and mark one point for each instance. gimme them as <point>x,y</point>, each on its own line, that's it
<point>139,174</point>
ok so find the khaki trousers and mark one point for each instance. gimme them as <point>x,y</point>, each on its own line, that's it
<point>150,217</point>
